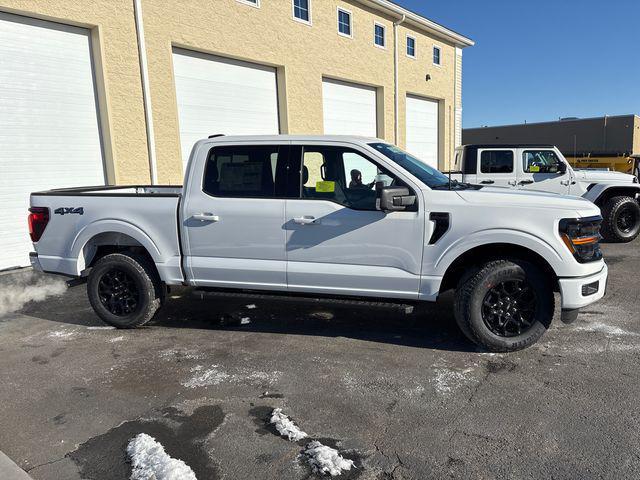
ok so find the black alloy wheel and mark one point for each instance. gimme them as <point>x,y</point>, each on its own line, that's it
<point>628,219</point>
<point>118,292</point>
<point>509,308</point>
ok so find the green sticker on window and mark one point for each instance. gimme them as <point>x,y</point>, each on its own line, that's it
<point>534,168</point>
<point>326,186</point>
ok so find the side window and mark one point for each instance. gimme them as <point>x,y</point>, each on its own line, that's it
<point>344,176</point>
<point>245,171</point>
<point>540,161</point>
<point>496,161</point>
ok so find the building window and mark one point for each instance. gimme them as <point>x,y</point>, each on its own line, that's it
<point>379,35</point>
<point>411,47</point>
<point>436,55</point>
<point>253,3</point>
<point>344,22</point>
<point>302,10</point>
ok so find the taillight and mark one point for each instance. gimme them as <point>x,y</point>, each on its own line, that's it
<point>38,219</point>
<point>582,237</point>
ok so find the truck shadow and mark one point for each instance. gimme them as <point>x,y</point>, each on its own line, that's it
<point>428,326</point>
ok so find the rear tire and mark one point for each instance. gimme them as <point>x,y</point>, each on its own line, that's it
<point>621,219</point>
<point>124,289</point>
<point>505,306</point>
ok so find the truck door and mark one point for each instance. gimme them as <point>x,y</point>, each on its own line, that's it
<point>233,218</point>
<point>337,241</point>
<point>496,167</point>
<point>542,169</point>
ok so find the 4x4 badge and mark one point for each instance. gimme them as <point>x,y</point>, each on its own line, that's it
<point>68,210</point>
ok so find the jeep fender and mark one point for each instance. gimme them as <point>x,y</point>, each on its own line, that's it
<point>602,190</point>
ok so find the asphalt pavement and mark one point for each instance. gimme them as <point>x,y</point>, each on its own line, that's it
<point>405,396</point>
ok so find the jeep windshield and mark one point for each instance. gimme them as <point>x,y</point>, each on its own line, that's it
<point>428,175</point>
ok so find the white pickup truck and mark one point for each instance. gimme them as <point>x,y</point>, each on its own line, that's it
<point>339,217</point>
<point>544,168</point>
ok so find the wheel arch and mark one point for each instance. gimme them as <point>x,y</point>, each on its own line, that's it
<point>615,191</point>
<point>102,238</point>
<point>478,255</point>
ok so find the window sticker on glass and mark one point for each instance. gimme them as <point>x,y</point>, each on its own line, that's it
<point>534,168</point>
<point>326,186</point>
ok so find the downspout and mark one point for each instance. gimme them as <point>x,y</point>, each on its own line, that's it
<point>146,95</point>
<point>396,80</point>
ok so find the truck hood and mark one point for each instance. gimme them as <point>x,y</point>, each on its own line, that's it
<point>495,196</point>
<point>602,176</point>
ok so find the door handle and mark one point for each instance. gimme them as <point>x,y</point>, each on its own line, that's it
<point>513,183</point>
<point>206,217</point>
<point>566,183</point>
<point>525,182</point>
<point>306,220</point>
<point>487,182</point>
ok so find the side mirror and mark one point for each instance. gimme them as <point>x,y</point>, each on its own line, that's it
<point>395,199</point>
<point>562,167</point>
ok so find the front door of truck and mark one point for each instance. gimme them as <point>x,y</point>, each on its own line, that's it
<point>541,169</point>
<point>233,218</point>
<point>337,242</point>
<point>496,167</point>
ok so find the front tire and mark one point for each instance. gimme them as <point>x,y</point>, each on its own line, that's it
<point>621,219</point>
<point>124,289</point>
<point>505,306</point>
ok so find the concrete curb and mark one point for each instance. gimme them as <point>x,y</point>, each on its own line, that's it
<point>11,471</point>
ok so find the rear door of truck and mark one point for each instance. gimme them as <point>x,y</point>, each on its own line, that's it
<point>233,215</point>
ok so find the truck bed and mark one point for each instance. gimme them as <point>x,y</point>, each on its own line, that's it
<point>84,218</point>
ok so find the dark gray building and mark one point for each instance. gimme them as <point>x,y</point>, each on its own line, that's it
<point>602,136</point>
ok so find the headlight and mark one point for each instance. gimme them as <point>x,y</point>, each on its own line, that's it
<point>582,237</point>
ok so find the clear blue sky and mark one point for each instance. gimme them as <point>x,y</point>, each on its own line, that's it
<point>538,60</point>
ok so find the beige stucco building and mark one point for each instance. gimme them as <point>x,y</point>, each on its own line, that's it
<point>116,91</point>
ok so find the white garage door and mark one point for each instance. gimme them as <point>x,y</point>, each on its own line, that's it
<point>219,95</point>
<point>349,109</point>
<point>49,135</point>
<point>422,129</point>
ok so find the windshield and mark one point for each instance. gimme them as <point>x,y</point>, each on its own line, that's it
<point>428,175</point>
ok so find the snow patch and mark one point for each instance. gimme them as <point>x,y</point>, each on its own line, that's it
<point>107,327</point>
<point>151,462</point>
<point>600,327</point>
<point>173,353</point>
<point>61,334</point>
<point>251,306</point>
<point>326,460</point>
<point>447,380</point>
<point>286,427</point>
<point>215,375</point>
<point>245,321</point>
<point>31,288</point>
<point>116,339</point>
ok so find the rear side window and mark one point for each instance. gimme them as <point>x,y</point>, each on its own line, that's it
<point>246,171</point>
<point>496,161</point>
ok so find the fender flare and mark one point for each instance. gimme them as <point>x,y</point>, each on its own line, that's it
<point>86,234</point>
<point>599,189</point>
<point>496,237</point>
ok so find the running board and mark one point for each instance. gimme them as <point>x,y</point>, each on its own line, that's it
<point>406,308</point>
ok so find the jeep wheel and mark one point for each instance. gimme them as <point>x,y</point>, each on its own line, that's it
<point>621,219</point>
<point>505,306</point>
<point>124,290</point>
